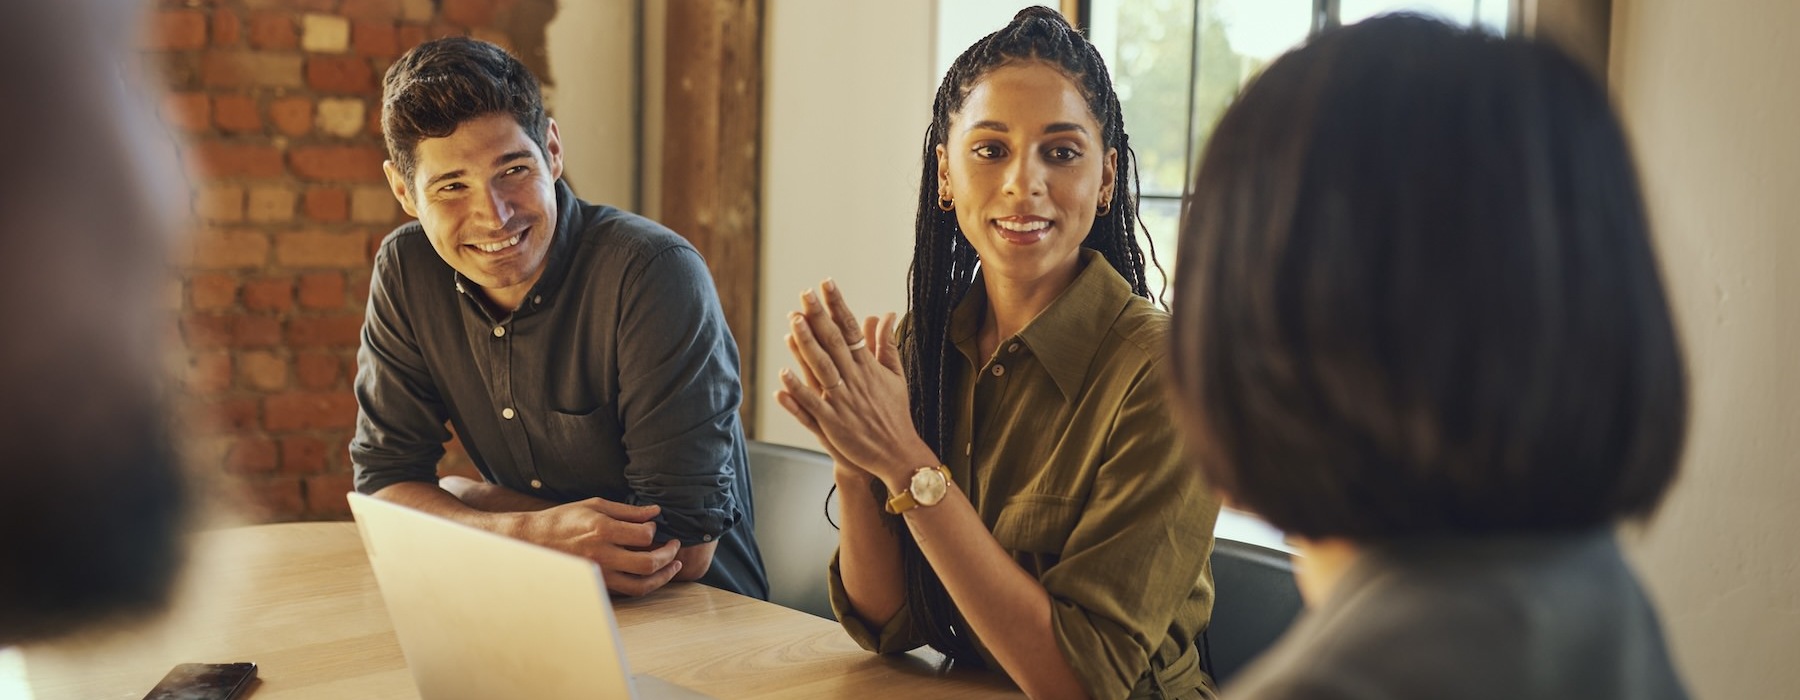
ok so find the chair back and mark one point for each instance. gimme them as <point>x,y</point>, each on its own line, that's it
<point>796,540</point>
<point>1254,600</point>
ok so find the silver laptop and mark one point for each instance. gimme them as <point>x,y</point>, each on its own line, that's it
<point>483,616</point>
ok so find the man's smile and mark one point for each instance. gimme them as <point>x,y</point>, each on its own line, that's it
<point>500,246</point>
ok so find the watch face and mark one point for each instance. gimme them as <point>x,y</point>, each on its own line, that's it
<point>928,487</point>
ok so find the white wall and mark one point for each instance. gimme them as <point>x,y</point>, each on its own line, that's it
<point>961,23</point>
<point>592,51</point>
<point>847,100</point>
<point>1708,90</point>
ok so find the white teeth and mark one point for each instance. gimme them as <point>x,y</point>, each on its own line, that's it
<point>502,245</point>
<point>1023,226</point>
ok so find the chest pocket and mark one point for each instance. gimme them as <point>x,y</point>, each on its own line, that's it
<point>1037,523</point>
<point>583,454</point>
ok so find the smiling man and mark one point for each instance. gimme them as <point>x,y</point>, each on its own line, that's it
<point>579,351</point>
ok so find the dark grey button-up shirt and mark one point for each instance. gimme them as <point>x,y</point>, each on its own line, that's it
<point>618,378</point>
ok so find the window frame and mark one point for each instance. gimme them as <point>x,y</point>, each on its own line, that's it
<point>1326,14</point>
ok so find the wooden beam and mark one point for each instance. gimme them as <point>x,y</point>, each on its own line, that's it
<point>711,155</point>
<point>1581,27</point>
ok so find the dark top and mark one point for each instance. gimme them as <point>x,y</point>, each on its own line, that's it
<point>618,378</point>
<point>1556,617</point>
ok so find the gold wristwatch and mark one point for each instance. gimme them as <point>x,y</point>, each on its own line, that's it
<point>928,486</point>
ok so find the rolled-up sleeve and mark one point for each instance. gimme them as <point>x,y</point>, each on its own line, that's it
<point>679,396</point>
<point>400,417</point>
<point>897,636</point>
<point>1135,558</point>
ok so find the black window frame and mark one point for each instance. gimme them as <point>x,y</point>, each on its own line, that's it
<point>1326,14</point>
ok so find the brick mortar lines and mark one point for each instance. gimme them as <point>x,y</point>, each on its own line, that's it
<point>278,104</point>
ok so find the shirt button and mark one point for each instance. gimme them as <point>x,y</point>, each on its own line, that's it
<point>506,413</point>
<point>499,331</point>
<point>539,299</point>
<point>537,484</point>
<point>999,370</point>
<point>1012,348</point>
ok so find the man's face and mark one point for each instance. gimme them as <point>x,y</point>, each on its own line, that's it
<point>487,200</point>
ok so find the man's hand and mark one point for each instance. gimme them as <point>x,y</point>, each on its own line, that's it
<point>618,536</point>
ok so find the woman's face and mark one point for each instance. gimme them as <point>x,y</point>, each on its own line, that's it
<point>1026,167</point>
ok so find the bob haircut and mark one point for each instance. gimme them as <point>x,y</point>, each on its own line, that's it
<point>1416,295</point>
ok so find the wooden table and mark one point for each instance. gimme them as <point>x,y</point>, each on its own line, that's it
<point>300,600</point>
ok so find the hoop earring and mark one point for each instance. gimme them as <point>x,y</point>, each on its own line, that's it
<point>946,205</point>
<point>1104,208</point>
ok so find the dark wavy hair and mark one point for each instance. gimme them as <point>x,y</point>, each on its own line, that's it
<point>440,84</point>
<point>1416,294</point>
<point>944,263</point>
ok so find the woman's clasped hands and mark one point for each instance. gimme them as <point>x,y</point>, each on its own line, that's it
<point>850,390</point>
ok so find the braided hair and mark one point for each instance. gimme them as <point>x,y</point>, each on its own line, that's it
<point>944,265</point>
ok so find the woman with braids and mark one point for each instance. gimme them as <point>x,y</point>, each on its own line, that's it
<point>1015,493</point>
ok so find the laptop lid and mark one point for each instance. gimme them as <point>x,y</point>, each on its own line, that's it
<point>481,615</point>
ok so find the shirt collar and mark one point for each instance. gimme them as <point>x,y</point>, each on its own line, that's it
<point>1066,335</point>
<point>557,259</point>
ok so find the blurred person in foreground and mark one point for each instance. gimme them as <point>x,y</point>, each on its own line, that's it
<point>1419,326</point>
<point>94,501</point>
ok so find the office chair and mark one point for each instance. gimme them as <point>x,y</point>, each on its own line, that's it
<point>1254,600</point>
<point>790,485</point>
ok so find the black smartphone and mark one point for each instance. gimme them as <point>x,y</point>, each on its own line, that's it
<point>205,682</point>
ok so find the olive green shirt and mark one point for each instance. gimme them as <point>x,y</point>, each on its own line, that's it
<point>1066,446</point>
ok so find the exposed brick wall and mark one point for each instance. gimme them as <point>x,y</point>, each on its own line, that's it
<point>278,102</point>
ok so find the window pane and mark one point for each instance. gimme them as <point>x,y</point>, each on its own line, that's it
<point>1494,15</point>
<point>1459,11</point>
<point>1237,39</point>
<point>1161,217</point>
<point>1170,107</point>
<point>1149,48</point>
<point>1259,30</point>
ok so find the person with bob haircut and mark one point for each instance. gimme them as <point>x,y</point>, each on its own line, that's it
<point>1419,326</point>
<point>1014,493</point>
